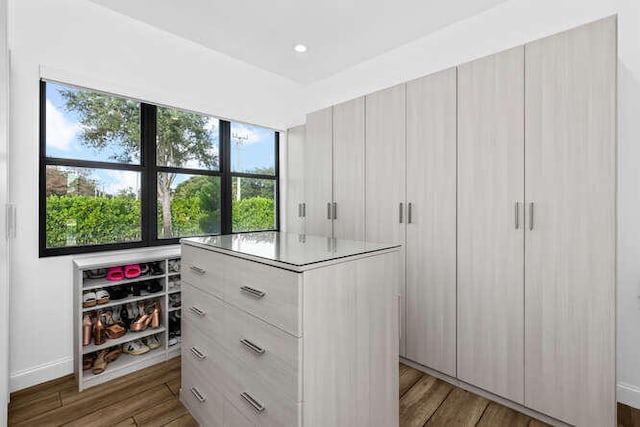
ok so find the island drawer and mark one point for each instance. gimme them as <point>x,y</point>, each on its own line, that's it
<point>200,269</point>
<point>269,293</point>
<point>202,399</point>
<point>204,311</point>
<point>270,353</point>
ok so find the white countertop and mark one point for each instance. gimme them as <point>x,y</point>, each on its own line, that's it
<point>287,249</point>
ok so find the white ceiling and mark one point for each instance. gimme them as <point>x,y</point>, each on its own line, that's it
<point>339,33</point>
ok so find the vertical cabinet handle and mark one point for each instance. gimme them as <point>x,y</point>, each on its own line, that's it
<point>299,210</point>
<point>252,401</point>
<point>253,347</point>
<point>304,210</point>
<point>329,210</point>
<point>530,215</point>
<point>400,212</point>
<point>517,213</point>
<point>196,393</point>
<point>409,209</point>
<point>335,210</point>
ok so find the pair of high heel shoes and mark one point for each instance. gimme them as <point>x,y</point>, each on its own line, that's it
<point>143,316</point>
<point>106,324</point>
<point>98,362</point>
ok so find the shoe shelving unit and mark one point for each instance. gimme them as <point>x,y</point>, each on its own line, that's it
<point>126,363</point>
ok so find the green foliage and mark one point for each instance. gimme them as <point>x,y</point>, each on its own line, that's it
<point>256,213</point>
<point>186,215</point>
<point>83,220</point>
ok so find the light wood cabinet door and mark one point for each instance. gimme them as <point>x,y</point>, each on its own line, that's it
<point>348,170</point>
<point>490,246</point>
<point>431,227</point>
<point>385,177</point>
<point>295,180</point>
<point>570,252</point>
<point>318,172</point>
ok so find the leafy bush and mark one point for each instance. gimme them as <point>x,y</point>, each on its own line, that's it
<point>256,213</point>
<point>83,220</point>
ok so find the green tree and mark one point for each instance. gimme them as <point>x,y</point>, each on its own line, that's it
<point>113,124</point>
<point>206,189</point>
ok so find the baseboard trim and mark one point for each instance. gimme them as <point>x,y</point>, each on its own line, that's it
<point>39,374</point>
<point>629,395</point>
<point>473,389</point>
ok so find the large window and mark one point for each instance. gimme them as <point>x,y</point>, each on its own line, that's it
<point>117,173</point>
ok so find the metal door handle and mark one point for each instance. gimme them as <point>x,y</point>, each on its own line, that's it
<point>253,292</point>
<point>335,210</point>
<point>530,215</point>
<point>251,346</point>
<point>197,353</point>
<point>409,209</point>
<point>299,210</point>
<point>329,210</point>
<point>400,212</point>
<point>198,395</point>
<point>197,311</point>
<point>517,209</point>
<point>197,270</point>
<point>304,210</point>
<point>252,401</point>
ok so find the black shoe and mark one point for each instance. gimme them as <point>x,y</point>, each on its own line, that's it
<point>153,287</point>
<point>117,293</point>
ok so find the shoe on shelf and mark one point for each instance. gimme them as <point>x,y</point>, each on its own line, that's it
<point>113,354</point>
<point>135,348</point>
<point>172,339</point>
<point>156,269</point>
<point>152,342</point>
<point>115,274</point>
<point>117,293</point>
<point>99,273</point>
<point>174,282</point>
<point>102,296</point>
<point>87,362</point>
<point>144,269</point>
<point>100,364</point>
<point>142,320</point>
<point>132,271</point>
<point>174,265</point>
<point>89,299</point>
<point>87,326</point>
<point>174,300</point>
<point>155,315</point>
<point>154,286</point>
<point>99,335</point>
<point>113,329</point>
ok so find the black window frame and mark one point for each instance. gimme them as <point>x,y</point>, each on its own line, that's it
<point>149,170</point>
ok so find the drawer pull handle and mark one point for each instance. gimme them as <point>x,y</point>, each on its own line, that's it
<point>251,346</point>
<point>253,402</point>
<point>196,393</point>
<point>197,353</point>
<point>253,292</point>
<point>197,270</point>
<point>197,311</point>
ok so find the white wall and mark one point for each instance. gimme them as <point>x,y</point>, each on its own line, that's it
<point>510,24</point>
<point>89,45</point>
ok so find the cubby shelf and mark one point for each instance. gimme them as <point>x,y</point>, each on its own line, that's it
<point>126,363</point>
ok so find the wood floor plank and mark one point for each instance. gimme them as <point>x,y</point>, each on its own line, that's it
<point>129,422</point>
<point>174,386</point>
<point>151,376</point>
<point>26,408</point>
<point>408,377</point>
<point>53,385</point>
<point>628,416</point>
<point>420,402</point>
<point>183,421</point>
<point>161,414</point>
<point>460,409</point>
<point>120,411</point>
<point>498,415</point>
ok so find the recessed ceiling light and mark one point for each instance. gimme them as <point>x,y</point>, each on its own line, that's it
<point>300,48</point>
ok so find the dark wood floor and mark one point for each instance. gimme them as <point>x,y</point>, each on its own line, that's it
<point>150,398</point>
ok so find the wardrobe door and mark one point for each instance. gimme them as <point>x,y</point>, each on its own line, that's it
<point>295,180</point>
<point>318,172</point>
<point>431,226</point>
<point>571,229</point>
<point>348,170</point>
<point>385,171</point>
<point>490,229</point>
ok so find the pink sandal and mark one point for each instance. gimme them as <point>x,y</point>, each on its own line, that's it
<point>132,271</point>
<point>115,273</point>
